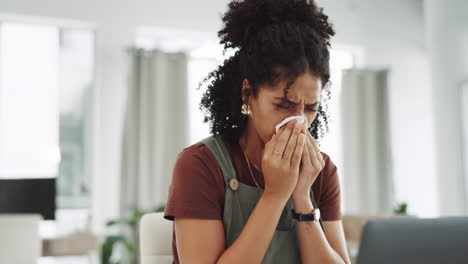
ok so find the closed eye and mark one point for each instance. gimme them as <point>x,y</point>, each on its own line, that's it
<point>289,107</point>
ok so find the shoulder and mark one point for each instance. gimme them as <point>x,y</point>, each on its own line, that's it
<point>329,171</point>
<point>329,191</point>
<point>197,186</point>
<point>199,154</point>
<point>196,164</point>
<point>194,149</point>
<point>327,183</point>
<point>195,154</point>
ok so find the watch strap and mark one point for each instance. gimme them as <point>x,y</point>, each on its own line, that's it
<point>306,217</point>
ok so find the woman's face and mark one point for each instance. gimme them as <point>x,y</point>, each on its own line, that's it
<point>271,107</point>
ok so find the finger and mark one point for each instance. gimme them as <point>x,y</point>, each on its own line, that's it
<point>316,149</point>
<point>269,147</point>
<point>306,127</point>
<point>314,143</point>
<point>306,156</point>
<point>284,138</point>
<point>308,138</point>
<point>296,158</point>
<point>313,156</point>
<point>288,152</point>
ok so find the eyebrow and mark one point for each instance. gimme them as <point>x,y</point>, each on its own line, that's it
<point>284,99</point>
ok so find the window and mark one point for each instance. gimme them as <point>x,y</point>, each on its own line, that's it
<point>45,113</point>
<point>29,135</point>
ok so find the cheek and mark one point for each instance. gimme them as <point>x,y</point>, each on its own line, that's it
<point>266,120</point>
<point>311,117</point>
<point>273,119</point>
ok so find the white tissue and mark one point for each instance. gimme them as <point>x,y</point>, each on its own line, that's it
<point>300,119</point>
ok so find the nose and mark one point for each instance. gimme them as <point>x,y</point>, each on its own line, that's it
<point>300,110</point>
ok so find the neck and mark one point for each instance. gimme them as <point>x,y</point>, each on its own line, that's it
<point>253,146</point>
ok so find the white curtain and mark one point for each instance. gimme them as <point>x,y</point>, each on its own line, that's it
<point>464,111</point>
<point>155,126</point>
<point>368,182</point>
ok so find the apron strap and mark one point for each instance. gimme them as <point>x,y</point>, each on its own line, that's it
<point>219,150</point>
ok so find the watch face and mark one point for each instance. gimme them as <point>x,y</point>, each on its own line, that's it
<point>317,214</point>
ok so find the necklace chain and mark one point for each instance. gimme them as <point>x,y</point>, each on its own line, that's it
<point>248,164</point>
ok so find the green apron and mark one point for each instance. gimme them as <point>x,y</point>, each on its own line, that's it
<point>241,200</point>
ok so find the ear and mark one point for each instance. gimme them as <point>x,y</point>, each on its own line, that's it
<point>246,90</point>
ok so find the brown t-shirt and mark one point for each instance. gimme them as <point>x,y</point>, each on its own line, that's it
<point>198,190</point>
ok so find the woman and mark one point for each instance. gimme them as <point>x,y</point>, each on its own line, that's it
<point>235,195</point>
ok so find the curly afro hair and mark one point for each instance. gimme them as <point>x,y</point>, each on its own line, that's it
<point>272,39</point>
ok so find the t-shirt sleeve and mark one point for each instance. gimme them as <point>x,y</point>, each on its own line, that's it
<point>330,200</point>
<point>196,187</point>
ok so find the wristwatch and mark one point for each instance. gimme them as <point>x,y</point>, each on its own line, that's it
<point>314,216</point>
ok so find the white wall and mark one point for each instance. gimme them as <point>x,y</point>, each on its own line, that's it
<point>447,42</point>
<point>391,33</point>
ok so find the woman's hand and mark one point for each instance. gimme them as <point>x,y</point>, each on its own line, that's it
<point>311,164</point>
<point>281,159</point>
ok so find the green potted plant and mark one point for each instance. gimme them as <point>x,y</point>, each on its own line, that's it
<point>127,237</point>
<point>401,209</point>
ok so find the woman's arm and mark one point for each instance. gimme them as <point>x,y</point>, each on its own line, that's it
<point>202,241</point>
<point>315,248</point>
<point>336,237</point>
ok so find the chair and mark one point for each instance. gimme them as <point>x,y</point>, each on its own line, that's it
<point>20,242</point>
<point>155,239</point>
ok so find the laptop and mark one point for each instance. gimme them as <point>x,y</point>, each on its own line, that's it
<point>414,240</point>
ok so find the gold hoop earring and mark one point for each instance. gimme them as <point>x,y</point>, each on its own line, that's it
<point>245,109</point>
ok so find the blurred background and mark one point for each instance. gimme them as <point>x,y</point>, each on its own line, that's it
<point>97,98</point>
